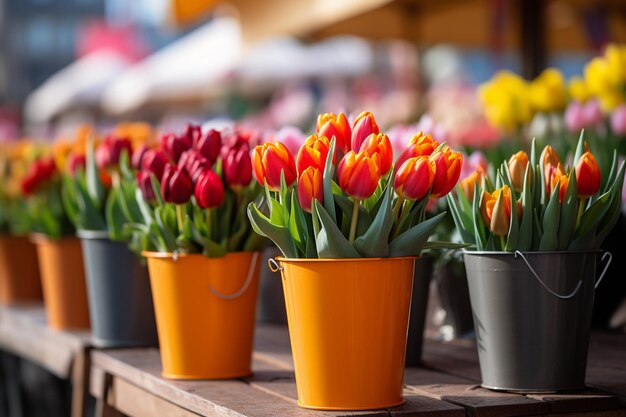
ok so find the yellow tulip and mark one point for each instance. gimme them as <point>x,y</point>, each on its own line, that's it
<point>578,89</point>
<point>548,92</point>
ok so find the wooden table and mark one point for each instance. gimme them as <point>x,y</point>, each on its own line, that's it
<point>24,332</point>
<point>128,381</point>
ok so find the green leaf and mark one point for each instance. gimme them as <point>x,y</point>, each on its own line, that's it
<point>525,238</point>
<point>444,245</point>
<point>115,217</point>
<point>375,242</point>
<point>550,223</point>
<point>411,242</point>
<point>592,216</point>
<point>580,146</point>
<point>346,204</point>
<point>95,188</point>
<point>479,226</point>
<point>297,224</point>
<point>90,216</point>
<point>127,173</point>
<point>165,230</point>
<point>278,234</point>
<point>145,209</point>
<point>329,201</point>
<point>330,242</point>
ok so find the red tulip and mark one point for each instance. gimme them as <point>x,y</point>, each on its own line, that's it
<point>419,145</point>
<point>174,145</point>
<point>74,162</point>
<point>415,178</point>
<point>310,186</point>
<point>363,127</point>
<point>144,182</point>
<point>587,175</point>
<point>209,190</point>
<point>154,161</point>
<point>313,153</point>
<point>379,144</point>
<point>109,151</point>
<point>447,171</point>
<point>209,145</point>
<point>176,185</point>
<point>192,132</point>
<point>358,175</point>
<point>330,126</point>
<point>193,162</point>
<point>270,160</point>
<point>236,164</point>
<point>41,171</point>
<point>138,155</point>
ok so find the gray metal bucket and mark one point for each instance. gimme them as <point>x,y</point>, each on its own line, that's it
<point>271,302</point>
<point>118,287</point>
<point>422,273</point>
<point>532,316</point>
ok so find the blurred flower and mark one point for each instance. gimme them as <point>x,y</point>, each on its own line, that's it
<point>587,175</point>
<point>269,161</point>
<point>154,161</point>
<point>468,183</point>
<point>176,185</point>
<point>378,145</point>
<point>364,125</point>
<point>548,91</point>
<point>236,163</point>
<point>40,171</point>
<point>145,185</point>
<point>578,89</point>
<point>476,160</point>
<point>358,175</point>
<point>109,152</point>
<point>496,210</point>
<point>447,171</point>
<point>74,162</point>
<point>414,178</point>
<point>174,145</point>
<point>337,126</point>
<point>193,162</point>
<point>575,117</point>
<point>138,155</point>
<point>192,132</point>
<point>420,144</point>
<point>292,138</point>
<point>209,190</point>
<point>593,113</point>
<point>506,100</point>
<point>313,153</point>
<point>517,170</point>
<point>310,186</point>
<point>208,144</point>
<point>606,76</point>
<point>618,120</point>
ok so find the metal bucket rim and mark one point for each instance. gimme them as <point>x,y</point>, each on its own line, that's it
<point>311,260</point>
<point>556,252</point>
<point>171,255</point>
<point>93,234</point>
<point>42,238</point>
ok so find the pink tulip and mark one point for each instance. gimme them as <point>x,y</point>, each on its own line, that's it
<point>575,117</point>
<point>593,113</point>
<point>618,120</point>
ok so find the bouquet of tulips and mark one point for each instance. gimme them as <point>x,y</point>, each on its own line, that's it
<point>538,204</point>
<point>342,196</point>
<point>191,194</point>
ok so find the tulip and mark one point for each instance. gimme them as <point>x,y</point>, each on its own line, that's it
<point>176,185</point>
<point>154,161</point>
<point>74,162</point>
<point>517,170</point>
<point>559,178</point>
<point>415,178</point>
<point>420,144</point>
<point>468,183</point>
<point>330,126</point>
<point>593,113</point>
<point>193,162</point>
<point>363,126</point>
<point>144,181</point>
<point>379,144</point>
<point>209,145</point>
<point>209,190</point>
<point>109,151</point>
<point>313,153</point>
<point>358,175</point>
<point>192,132</point>
<point>575,117</point>
<point>587,175</point>
<point>618,120</point>
<point>174,145</point>
<point>270,160</point>
<point>310,186</point>
<point>498,216</point>
<point>552,173</point>
<point>236,164</point>
<point>549,156</point>
<point>138,155</point>
<point>39,172</point>
<point>447,171</point>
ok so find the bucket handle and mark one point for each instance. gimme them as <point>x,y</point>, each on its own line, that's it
<point>245,285</point>
<point>606,267</point>
<point>543,284</point>
<point>274,265</point>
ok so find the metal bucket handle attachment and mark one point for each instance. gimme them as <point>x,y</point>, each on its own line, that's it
<point>543,284</point>
<point>606,267</point>
<point>245,285</point>
<point>274,265</point>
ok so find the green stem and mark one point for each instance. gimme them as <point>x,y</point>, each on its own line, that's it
<point>581,209</point>
<point>502,242</point>
<point>208,218</point>
<point>403,216</point>
<point>355,218</point>
<point>396,208</point>
<point>179,217</point>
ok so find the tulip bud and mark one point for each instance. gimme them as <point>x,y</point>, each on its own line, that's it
<point>40,172</point>
<point>138,155</point>
<point>517,169</point>
<point>310,186</point>
<point>209,145</point>
<point>192,132</point>
<point>588,176</point>
<point>496,210</point>
<point>419,145</point>
<point>154,161</point>
<point>269,161</point>
<point>358,175</point>
<point>447,171</point>
<point>109,151</point>
<point>330,126</point>
<point>414,178</point>
<point>468,183</point>
<point>363,126</point>
<point>144,182</point>
<point>176,185</point>
<point>236,164</point>
<point>209,190</point>
<point>313,153</point>
<point>559,178</point>
<point>193,162</point>
<point>379,145</point>
<point>174,145</point>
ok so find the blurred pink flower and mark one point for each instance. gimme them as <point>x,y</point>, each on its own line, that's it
<point>593,113</point>
<point>479,134</point>
<point>400,135</point>
<point>618,120</point>
<point>471,163</point>
<point>291,137</point>
<point>575,117</point>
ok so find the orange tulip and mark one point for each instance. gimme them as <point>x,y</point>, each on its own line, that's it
<point>331,125</point>
<point>551,163</point>
<point>310,186</point>
<point>313,153</point>
<point>358,175</point>
<point>517,169</point>
<point>414,178</point>
<point>498,217</point>
<point>562,180</point>
<point>379,145</point>
<point>269,160</point>
<point>447,171</point>
<point>420,144</point>
<point>467,183</point>
<point>587,175</point>
<point>363,127</point>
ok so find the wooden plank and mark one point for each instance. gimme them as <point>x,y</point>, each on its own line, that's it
<point>136,402</point>
<point>578,402</point>
<point>80,382</point>
<point>609,413</point>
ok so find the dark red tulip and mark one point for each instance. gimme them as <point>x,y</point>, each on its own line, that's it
<point>74,162</point>
<point>144,182</point>
<point>154,161</point>
<point>192,132</point>
<point>192,161</point>
<point>138,155</point>
<point>38,173</point>
<point>176,185</point>
<point>209,145</point>
<point>109,151</point>
<point>236,164</point>
<point>174,145</point>
<point>209,190</point>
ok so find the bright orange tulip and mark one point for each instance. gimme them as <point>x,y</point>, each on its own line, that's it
<point>551,164</point>
<point>498,218</point>
<point>414,178</point>
<point>379,145</point>
<point>562,180</point>
<point>269,160</point>
<point>358,175</point>
<point>447,171</point>
<point>329,125</point>
<point>467,183</point>
<point>310,186</point>
<point>420,144</point>
<point>362,128</point>
<point>517,169</point>
<point>313,153</point>
<point>587,175</point>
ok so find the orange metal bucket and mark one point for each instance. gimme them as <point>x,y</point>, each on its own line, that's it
<point>205,313</point>
<point>19,270</point>
<point>63,282</point>
<point>348,322</point>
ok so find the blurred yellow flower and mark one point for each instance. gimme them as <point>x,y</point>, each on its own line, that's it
<point>548,92</point>
<point>578,89</point>
<point>506,100</point>
<point>605,77</point>
<point>137,132</point>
